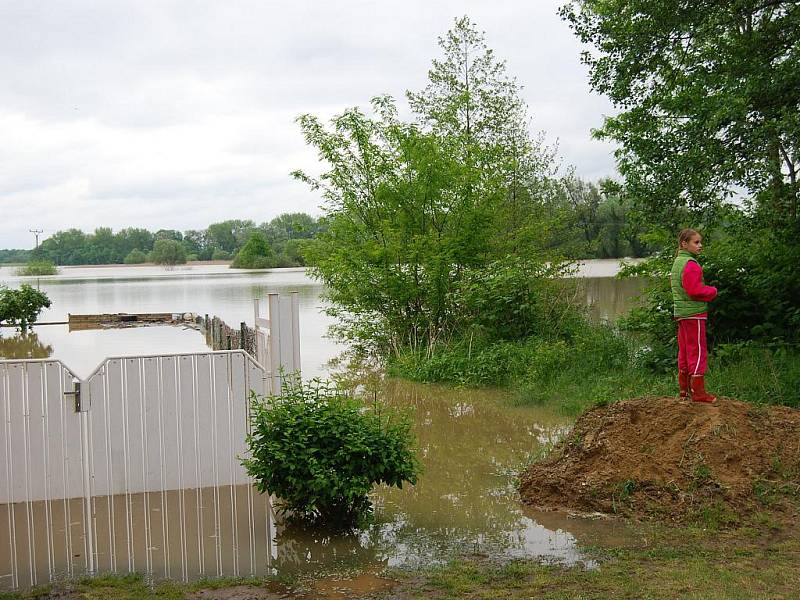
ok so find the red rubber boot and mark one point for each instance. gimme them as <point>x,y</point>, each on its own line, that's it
<point>699,393</point>
<point>683,384</point>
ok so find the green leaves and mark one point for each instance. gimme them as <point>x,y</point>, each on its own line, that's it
<point>708,94</point>
<point>255,254</point>
<point>412,206</point>
<point>21,307</point>
<point>321,452</point>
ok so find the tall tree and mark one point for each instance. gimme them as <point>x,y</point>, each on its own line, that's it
<point>414,209</point>
<point>475,109</point>
<point>709,98</point>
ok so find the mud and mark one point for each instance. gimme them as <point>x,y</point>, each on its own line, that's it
<point>330,588</point>
<point>671,459</point>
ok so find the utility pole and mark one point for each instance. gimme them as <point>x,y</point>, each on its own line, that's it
<point>36,232</point>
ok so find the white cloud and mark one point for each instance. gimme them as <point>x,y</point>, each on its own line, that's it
<point>177,114</point>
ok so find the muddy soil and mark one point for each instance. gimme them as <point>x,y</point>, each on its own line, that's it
<point>671,459</point>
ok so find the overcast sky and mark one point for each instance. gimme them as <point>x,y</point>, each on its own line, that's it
<point>177,114</point>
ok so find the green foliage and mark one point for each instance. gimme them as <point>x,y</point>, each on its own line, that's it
<point>321,452</point>
<point>596,221</point>
<point>255,254</point>
<point>219,254</point>
<point>21,307</point>
<point>74,247</point>
<point>415,209</point>
<point>135,257</point>
<point>754,268</point>
<point>15,256</point>
<point>513,298</point>
<point>708,97</point>
<point>168,252</point>
<point>38,267</point>
<point>529,365</point>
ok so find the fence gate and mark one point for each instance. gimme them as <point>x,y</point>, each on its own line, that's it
<point>134,469</point>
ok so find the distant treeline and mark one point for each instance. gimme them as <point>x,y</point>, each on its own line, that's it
<point>15,256</point>
<point>589,221</point>
<point>285,236</point>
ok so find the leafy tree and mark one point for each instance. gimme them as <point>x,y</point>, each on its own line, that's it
<point>220,254</point>
<point>64,248</point>
<point>196,242</point>
<point>21,307</point>
<point>476,112</point>
<point>132,238</point>
<point>38,267</point>
<point>255,254</point>
<point>15,256</point>
<point>168,252</point>
<point>229,235</point>
<point>101,246</point>
<point>169,234</point>
<point>410,207</point>
<point>709,98</point>
<point>295,225</point>
<point>135,257</point>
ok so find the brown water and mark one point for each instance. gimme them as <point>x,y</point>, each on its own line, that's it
<point>472,442</point>
<point>214,290</point>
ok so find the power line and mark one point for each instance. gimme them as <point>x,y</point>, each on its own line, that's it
<point>36,232</point>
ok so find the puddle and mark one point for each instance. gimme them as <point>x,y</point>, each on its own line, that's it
<point>472,443</point>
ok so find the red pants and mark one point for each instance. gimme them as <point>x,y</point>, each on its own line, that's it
<point>692,352</point>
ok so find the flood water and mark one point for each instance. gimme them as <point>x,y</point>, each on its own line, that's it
<point>472,443</point>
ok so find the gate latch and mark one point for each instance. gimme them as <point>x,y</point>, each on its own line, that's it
<point>76,393</point>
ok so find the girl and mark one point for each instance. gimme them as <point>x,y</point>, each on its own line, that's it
<point>690,300</point>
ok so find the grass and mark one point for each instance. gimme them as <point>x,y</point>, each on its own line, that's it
<point>599,366</point>
<point>658,561</point>
<point>686,563</point>
<point>112,586</point>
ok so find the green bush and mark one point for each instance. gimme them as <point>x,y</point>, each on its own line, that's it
<point>513,299</point>
<point>168,252</point>
<point>135,257</point>
<point>321,452</point>
<point>532,361</point>
<point>255,254</point>
<point>754,268</point>
<point>21,307</point>
<point>220,254</point>
<point>38,267</point>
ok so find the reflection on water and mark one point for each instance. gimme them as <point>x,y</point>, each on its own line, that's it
<point>472,444</point>
<point>176,534</point>
<point>24,345</point>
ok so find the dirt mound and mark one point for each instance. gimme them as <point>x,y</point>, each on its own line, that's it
<point>667,458</point>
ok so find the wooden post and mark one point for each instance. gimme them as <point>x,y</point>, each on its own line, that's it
<point>242,336</point>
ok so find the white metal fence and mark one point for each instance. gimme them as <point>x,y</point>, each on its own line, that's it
<point>135,469</point>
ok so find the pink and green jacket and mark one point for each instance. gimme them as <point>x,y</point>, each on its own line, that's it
<point>690,296</point>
